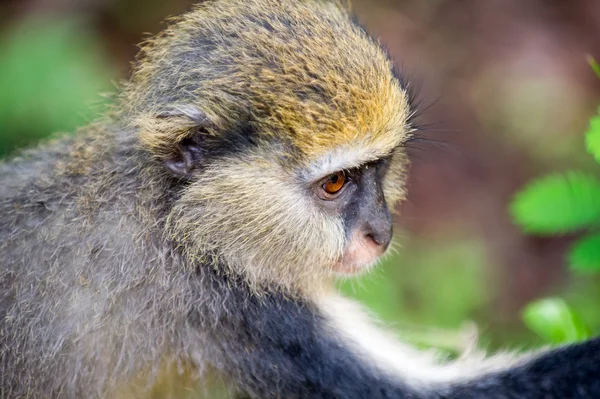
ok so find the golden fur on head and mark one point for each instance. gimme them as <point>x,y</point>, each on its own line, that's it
<point>308,88</point>
<point>302,69</point>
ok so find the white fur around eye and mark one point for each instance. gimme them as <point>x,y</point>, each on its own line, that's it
<point>340,158</point>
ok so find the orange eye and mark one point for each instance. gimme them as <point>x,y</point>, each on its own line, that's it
<point>335,183</point>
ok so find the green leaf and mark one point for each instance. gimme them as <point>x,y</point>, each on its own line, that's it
<point>592,137</point>
<point>558,203</point>
<point>593,64</point>
<point>554,321</point>
<point>585,254</point>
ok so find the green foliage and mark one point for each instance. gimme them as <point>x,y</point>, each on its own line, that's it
<point>585,254</point>
<point>554,321</point>
<point>594,64</point>
<point>558,203</point>
<point>51,71</point>
<point>564,203</point>
<point>592,137</point>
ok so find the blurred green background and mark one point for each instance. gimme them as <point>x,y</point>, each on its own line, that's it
<point>504,89</point>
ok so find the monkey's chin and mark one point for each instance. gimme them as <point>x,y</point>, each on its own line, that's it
<point>357,259</point>
<point>348,269</point>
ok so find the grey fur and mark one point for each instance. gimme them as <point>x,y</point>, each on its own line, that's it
<point>88,287</point>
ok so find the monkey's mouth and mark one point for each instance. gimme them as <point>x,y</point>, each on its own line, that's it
<point>361,253</point>
<point>357,259</point>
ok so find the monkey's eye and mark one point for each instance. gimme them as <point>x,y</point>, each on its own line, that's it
<point>334,183</point>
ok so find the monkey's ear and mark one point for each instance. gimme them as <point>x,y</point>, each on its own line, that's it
<point>185,158</point>
<point>176,137</point>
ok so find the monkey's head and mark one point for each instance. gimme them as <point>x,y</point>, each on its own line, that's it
<point>284,124</point>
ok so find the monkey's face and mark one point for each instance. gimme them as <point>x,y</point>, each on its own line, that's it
<point>358,189</point>
<point>292,223</point>
<point>356,196</point>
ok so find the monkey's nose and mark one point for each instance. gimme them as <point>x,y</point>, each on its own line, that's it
<point>381,236</point>
<point>378,240</point>
<point>381,240</point>
<point>379,230</point>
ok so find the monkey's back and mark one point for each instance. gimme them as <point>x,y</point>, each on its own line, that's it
<point>75,267</point>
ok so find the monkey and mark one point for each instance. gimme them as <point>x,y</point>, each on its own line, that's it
<point>254,156</point>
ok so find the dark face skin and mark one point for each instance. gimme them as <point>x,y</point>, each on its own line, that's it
<point>357,196</point>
